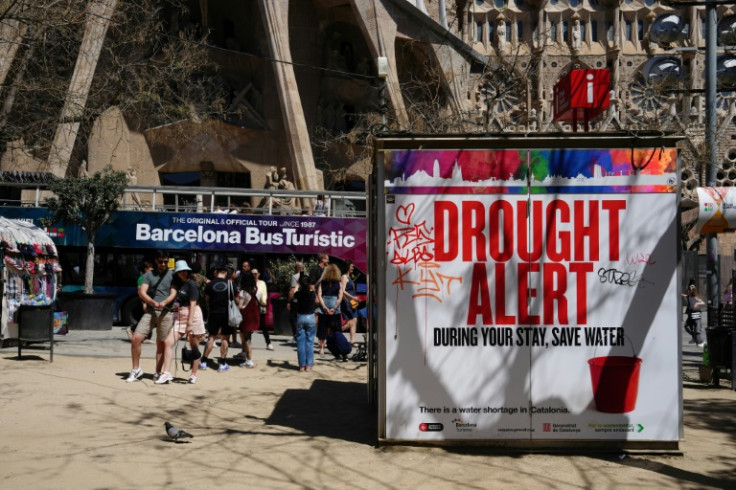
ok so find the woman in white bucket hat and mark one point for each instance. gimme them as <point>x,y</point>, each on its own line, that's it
<point>189,322</point>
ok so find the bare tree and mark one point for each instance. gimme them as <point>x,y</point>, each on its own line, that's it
<point>153,65</point>
<point>500,100</point>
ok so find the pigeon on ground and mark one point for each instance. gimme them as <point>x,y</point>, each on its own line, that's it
<point>175,433</point>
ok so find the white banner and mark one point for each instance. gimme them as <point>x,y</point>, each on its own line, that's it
<point>542,316</point>
<point>717,209</point>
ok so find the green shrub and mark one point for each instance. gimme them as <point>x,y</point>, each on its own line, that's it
<point>282,270</point>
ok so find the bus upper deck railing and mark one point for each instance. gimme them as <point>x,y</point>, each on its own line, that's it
<point>214,200</point>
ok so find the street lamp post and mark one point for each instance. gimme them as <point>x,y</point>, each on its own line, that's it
<point>711,240</point>
<point>711,46</point>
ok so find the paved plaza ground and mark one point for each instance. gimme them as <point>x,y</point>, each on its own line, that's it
<point>74,423</point>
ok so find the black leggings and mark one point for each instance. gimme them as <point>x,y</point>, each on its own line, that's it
<point>264,329</point>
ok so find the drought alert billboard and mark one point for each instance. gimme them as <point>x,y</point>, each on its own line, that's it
<point>530,294</point>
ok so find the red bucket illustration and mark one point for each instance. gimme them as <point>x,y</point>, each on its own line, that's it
<point>615,383</point>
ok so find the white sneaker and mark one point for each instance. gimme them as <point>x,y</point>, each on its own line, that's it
<point>701,344</point>
<point>192,379</point>
<point>163,379</point>
<point>134,375</point>
<point>269,347</point>
<point>248,364</point>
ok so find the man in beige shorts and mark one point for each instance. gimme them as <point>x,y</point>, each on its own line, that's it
<point>157,293</point>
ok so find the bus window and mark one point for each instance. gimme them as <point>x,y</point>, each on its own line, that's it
<point>113,267</point>
<point>72,266</point>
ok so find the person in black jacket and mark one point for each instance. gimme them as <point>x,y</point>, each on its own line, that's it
<point>218,293</point>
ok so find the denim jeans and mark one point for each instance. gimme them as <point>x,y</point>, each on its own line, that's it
<point>305,328</point>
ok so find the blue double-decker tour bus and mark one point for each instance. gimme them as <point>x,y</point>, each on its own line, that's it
<point>205,237</point>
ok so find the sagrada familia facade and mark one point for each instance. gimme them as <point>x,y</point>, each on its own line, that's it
<point>305,73</point>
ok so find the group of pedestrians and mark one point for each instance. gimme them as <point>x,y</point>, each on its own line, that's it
<point>158,292</point>
<point>321,302</point>
<point>171,302</point>
<point>171,308</point>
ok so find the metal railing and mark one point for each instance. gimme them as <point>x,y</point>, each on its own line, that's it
<point>722,316</point>
<point>212,200</point>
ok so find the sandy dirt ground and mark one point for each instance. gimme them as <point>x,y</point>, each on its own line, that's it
<point>74,423</point>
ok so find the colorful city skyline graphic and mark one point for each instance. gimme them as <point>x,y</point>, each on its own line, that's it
<point>511,171</point>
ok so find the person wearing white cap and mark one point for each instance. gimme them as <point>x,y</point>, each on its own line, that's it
<point>189,323</point>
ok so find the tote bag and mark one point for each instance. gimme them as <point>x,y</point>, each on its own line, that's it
<point>233,312</point>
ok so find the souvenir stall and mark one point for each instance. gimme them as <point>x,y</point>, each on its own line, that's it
<point>31,272</point>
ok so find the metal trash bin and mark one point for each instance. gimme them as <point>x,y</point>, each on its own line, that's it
<point>721,347</point>
<point>35,324</point>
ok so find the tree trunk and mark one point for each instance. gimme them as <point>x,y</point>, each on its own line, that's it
<point>89,268</point>
<point>98,19</point>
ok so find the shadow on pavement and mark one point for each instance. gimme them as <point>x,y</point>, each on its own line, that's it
<point>333,409</point>
<point>712,415</point>
<point>725,480</point>
<point>708,415</point>
<point>25,357</point>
